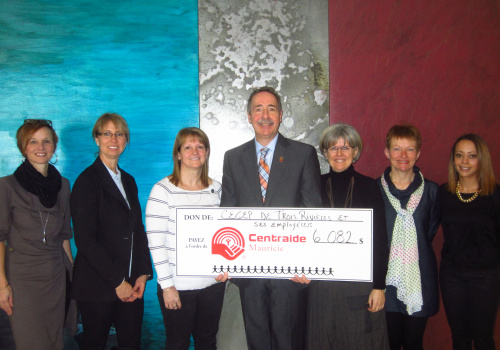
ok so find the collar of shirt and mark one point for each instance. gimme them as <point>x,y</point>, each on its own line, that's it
<point>270,154</point>
<point>117,178</point>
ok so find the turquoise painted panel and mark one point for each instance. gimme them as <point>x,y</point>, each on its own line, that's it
<point>71,61</point>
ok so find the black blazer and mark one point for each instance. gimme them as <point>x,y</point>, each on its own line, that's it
<point>294,180</point>
<point>105,231</point>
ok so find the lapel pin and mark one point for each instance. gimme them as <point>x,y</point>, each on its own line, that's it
<point>281,159</point>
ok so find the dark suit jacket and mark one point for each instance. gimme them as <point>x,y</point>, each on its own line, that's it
<point>294,180</point>
<point>105,229</point>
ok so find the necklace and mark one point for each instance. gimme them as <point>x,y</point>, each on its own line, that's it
<point>188,195</point>
<point>474,196</point>
<point>191,193</point>
<point>44,225</point>
<point>348,197</point>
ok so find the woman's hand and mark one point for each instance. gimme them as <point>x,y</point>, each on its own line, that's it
<point>302,280</point>
<point>171,298</point>
<point>223,277</point>
<point>376,300</point>
<point>140,285</point>
<point>124,291</point>
<point>6,300</point>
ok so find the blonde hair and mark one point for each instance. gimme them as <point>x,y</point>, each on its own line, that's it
<point>114,118</point>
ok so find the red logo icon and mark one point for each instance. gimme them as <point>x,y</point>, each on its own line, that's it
<point>228,242</point>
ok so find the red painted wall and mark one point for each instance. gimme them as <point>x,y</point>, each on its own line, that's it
<point>431,63</point>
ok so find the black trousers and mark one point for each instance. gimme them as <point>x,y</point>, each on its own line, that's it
<point>405,331</point>
<point>97,318</point>
<point>199,316</point>
<point>274,312</point>
<point>470,299</point>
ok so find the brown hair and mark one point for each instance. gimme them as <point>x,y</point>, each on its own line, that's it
<point>486,175</point>
<point>116,119</point>
<point>30,127</point>
<point>181,137</point>
<point>263,89</point>
<point>403,132</point>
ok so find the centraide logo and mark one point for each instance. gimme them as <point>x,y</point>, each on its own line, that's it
<point>228,242</point>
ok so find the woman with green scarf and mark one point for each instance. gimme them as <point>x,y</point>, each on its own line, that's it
<point>412,217</point>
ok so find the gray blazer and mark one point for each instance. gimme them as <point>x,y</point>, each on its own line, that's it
<point>294,180</point>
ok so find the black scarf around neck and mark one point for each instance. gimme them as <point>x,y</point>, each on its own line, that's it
<point>45,188</point>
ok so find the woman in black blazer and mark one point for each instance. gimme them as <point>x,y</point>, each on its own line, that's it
<point>112,263</point>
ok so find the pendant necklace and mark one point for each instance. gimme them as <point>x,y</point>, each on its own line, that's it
<point>44,226</point>
<point>474,196</point>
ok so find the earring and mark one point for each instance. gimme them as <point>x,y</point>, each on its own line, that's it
<point>51,162</point>
<point>23,159</point>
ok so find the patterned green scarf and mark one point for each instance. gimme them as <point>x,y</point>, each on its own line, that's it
<point>404,271</point>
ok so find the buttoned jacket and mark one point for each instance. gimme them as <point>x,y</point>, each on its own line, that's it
<point>106,231</point>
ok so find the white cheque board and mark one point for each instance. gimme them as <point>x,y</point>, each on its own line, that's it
<point>324,244</point>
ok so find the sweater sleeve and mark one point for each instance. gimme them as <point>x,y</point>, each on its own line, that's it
<point>380,240</point>
<point>66,232</point>
<point>158,215</point>
<point>5,200</point>
<point>496,199</point>
<point>435,210</point>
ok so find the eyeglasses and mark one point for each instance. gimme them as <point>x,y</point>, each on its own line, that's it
<point>109,135</point>
<point>38,121</point>
<point>341,148</point>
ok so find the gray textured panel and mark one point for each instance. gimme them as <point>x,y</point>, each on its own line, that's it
<point>249,44</point>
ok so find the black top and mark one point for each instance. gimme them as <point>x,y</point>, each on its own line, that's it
<point>471,230</point>
<point>365,195</point>
<point>426,217</point>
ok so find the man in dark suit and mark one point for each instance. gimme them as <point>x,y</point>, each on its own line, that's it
<point>271,171</point>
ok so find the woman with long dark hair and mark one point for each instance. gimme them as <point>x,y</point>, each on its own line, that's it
<point>469,273</point>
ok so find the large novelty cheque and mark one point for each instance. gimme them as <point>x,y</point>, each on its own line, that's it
<point>325,244</point>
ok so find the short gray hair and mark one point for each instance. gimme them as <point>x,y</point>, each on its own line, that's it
<point>331,135</point>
